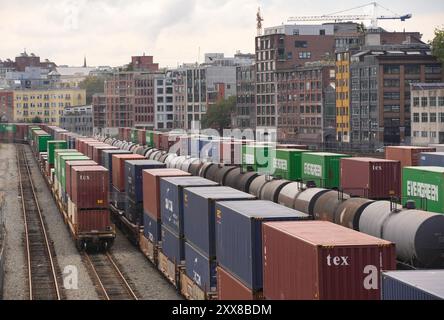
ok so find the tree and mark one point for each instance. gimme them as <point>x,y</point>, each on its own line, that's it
<point>36,120</point>
<point>218,116</point>
<point>92,85</point>
<point>438,44</point>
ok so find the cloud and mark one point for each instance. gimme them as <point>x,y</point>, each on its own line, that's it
<point>110,31</point>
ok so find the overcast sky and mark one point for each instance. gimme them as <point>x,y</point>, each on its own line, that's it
<point>108,32</point>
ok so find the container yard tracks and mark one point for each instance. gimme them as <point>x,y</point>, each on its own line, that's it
<point>42,274</point>
<point>109,279</point>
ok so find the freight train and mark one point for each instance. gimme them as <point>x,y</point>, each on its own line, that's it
<point>174,216</point>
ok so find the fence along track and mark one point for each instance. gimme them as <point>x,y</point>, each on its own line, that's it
<point>42,277</point>
<point>110,279</point>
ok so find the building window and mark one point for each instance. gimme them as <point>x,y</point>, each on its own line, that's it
<point>416,101</point>
<point>416,134</point>
<point>424,134</point>
<point>433,117</point>
<point>432,101</point>
<point>424,117</point>
<point>392,96</point>
<point>391,69</point>
<point>412,69</point>
<point>300,44</point>
<point>424,102</point>
<point>416,117</point>
<point>433,134</point>
<point>441,101</point>
<point>305,55</point>
<point>394,83</point>
<point>441,117</point>
<point>289,55</point>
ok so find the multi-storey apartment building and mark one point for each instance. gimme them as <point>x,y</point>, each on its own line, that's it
<point>48,105</point>
<point>78,120</point>
<point>306,103</point>
<point>180,98</point>
<point>245,114</point>
<point>427,113</point>
<point>99,111</point>
<point>164,101</point>
<point>6,106</point>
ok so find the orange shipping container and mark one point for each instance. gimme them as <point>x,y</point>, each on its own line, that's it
<point>408,155</point>
<point>119,169</point>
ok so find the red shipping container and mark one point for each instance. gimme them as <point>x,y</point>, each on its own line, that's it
<point>90,147</point>
<point>127,134</point>
<point>68,167</point>
<point>121,134</point>
<point>81,144</point>
<point>408,155</point>
<point>151,188</point>
<point>371,178</point>
<point>97,152</point>
<point>87,221</point>
<point>141,136</point>
<point>230,288</point>
<point>318,260</point>
<point>90,187</point>
<point>118,178</point>
<point>156,139</point>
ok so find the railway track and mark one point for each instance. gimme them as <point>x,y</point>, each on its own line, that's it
<point>42,275</point>
<point>110,280</point>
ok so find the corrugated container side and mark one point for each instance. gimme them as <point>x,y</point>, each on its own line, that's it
<point>316,260</point>
<point>69,165</point>
<point>173,246</point>
<point>408,156</point>
<point>230,288</point>
<point>92,220</point>
<point>90,187</point>
<point>151,189</point>
<point>151,229</point>
<point>133,176</point>
<point>118,176</point>
<point>200,269</point>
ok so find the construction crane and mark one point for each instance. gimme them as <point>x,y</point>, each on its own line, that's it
<point>339,16</point>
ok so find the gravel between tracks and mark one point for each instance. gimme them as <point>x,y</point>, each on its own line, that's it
<point>66,252</point>
<point>15,285</point>
<point>144,277</point>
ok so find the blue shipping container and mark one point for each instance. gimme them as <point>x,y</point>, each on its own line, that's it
<point>413,285</point>
<point>152,229</point>
<point>171,192</point>
<point>133,176</point>
<point>173,246</point>
<point>431,159</point>
<point>199,268</point>
<point>134,211</point>
<point>199,214</point>
<point>239,236</point>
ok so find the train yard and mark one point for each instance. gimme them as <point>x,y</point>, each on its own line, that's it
<point>208,228</point>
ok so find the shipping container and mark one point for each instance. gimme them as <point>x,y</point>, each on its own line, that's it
<point>438,147</point>
<point>230,288</point>
<point>98,151</point>
<point>133,176</point>
<point>151,189</point>
<point>425,186</point>
<point>413,285</point>
<point>371,178</point>
<point>152,229</point>
<point>57,154</point>
<point>134,138</point>
<point>173,246</point>
<point>91,145</point>
<point>317,260</point>
<point>322,168</point>
<point>431,159</point>
<point>88,221</point>
<point>107,159</point>
<point>171,191</point>
<point>69,165</point>
<point>258,157</point>
<point>63,160</point>
<point>408,155</point>
<point>42,139</point>
<point>141,137</point>
<point>90,187</point>
<point>199,210</point>
<point>118,163</point>
<point>156,139</point>
<point>149,137</point>
<point>55,145</point>
<point>240,222</point>
<point>292,146</point>
<point>288,164</point>
<point>200,268</point>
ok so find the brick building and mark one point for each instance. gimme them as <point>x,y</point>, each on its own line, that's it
<point>6,106</point>
<point>245,114</point>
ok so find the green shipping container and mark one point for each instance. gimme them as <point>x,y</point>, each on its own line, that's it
<point>8,128</point>
<point>425,186</point>
<point>258,157</point>
<point>31,132</point>
<point>42,142</point>
<point>134,136</point>
<point>58,154</point>
<point>323,168</point>
<point>54,145</point>
<point>150,138</point>
<point>63,160</point>
<point>288,164</point>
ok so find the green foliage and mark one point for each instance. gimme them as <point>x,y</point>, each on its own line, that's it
<point>438,44</point>
<point>219,116</point>
<point>36,120</point>
<point>92,85</point>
